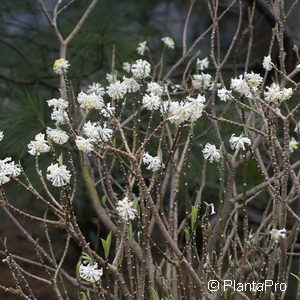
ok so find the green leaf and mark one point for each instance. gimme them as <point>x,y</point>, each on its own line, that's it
<point>85,295</point>
<point>159,153</point>
<point>77,267</point>
<point>195,210</point>
<point>154,294</point>
<point>4,242</point>
<point>296,276</point>
<point>187,234</point>
<point>63,93</point>
<point>103,199</point>
<point>106,244</point>
<point>86,258</point>
<point>61,160</point>
<point>130,234</point>
<point>135,205</point>
<point>192,127</point>
<point>45,214</point>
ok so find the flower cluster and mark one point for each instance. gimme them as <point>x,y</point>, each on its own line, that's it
<point>201,81</point>
<point>224,94</point>
<point>141,69</point>
<point>247,85</point>
<point>90,272</point>
<point>59,113</point>
<point>57,136</point>
<point>169,42</point>
<point>142,47</point>
<point>116,90</point>
<point>61,66</point>
<point>83,144</point>
<point>202,64</point>
<point>277,234</point>
<point>274,93</point>
<point>151,102</point>
<point>189,110</point>
<point>38,145</point>
<point>211,152</point>
<point>58,175</point>
<point>90,101</point>
<point>97,133</point>
<point>96,88</point>
<point>154,163</point>
<point>297,128</point>
<point>293,145</point>
<point>239,142</point>
<point>8,169</point>
<point>125,210</point>
<point>267,63</point>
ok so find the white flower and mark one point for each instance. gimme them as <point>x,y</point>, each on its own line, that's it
<point>60,116</point>
<point>194,107</point>
<point>253,79</point>
<point>107,110</point>
<point>240,85</point>
<point>85,145</point>
<point>169,42</point>
<point>96,132</point>
<point>286,94</point>
<point>238,143</point>
<point>141,69</point>
<point>131,85</point>
<point>1,135</point>
<point>151,102</point>
<point>297,128</point>
<point>125,210</point>
<point>293,145</point>
<point>57,103</point>
<point>96,88</point>
<point>90,272</point>
<point>8,169</point>
<point>224,94</point>
<point>277,234</point>
<point>142,47</point>
<point>58,175</point>
<point>126,67</point>
<point>58,136</point>
<point>91,101</point>
<point>267,63</point>
<point>39,145</point>
<point>201,81</point>
<point>105,134</point>
<point>202,64</point>
<point>273,93</point>
<point>91,130</point>
<point>173,87</point>
<point>155,89</point>
<point>61,66</point>
<point>211,152</point>
<point>4,178</point>
<point>116,90</point>
<point>111,77</point>
<point>177,112</point>
<point>154,163</point>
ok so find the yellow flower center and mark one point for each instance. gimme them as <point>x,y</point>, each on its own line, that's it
<point>58,62</point>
